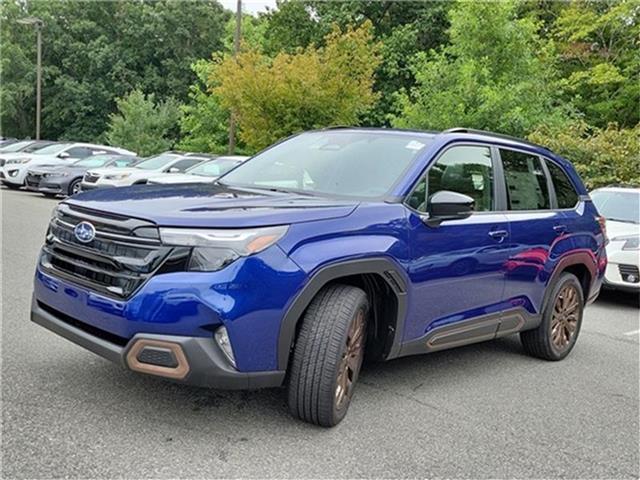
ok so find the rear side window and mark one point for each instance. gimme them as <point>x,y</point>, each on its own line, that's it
<point>525,181</point>
<point>565,193</point>
<point>462,169</point>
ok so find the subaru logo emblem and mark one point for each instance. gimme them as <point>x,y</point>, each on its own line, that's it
<point>84,232</point>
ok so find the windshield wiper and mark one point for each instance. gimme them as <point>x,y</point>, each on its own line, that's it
<point>623,220</point>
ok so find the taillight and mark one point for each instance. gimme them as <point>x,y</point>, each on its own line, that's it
<point>603,226</point>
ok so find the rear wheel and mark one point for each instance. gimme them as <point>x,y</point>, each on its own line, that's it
<point>12,186</point>
<point>328,355</point>
<point>561,321</point>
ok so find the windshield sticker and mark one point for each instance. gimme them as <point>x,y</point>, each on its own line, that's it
<point>414,145</point>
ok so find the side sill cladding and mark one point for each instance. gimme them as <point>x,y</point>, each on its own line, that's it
<point>385,267</point>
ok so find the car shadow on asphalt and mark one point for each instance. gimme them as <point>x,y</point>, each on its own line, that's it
<point>618,298</point>
<point>169,402</point>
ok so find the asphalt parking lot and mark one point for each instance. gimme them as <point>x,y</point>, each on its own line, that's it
<point>485,410</point>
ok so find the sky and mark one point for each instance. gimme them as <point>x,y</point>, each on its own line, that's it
<point>249,6</point>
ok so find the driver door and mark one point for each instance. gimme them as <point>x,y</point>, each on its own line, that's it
<point>456,267</point>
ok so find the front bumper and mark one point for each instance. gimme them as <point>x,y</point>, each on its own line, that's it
<point>204,363</point>
<point>623,272</point>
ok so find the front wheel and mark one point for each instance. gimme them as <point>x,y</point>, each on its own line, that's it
<point>556,335</point>
<point>328,355</point>
<point>74,186</point>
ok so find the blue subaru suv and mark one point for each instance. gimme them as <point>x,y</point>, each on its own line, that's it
<point>327,247</point>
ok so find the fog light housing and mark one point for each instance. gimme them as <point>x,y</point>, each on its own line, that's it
<point>222,339</point>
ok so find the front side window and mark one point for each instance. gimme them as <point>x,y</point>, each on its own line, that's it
<point>362,164</point>
<point>525,181</point>
<point>79,152</point>
<point>463,169</point>
<point>183,165</point>
<point>565,193</point>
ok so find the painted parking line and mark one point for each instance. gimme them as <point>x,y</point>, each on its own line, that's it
<point>633,332</point>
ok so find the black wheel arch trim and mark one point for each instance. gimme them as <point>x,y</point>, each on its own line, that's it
<point>390,272</point>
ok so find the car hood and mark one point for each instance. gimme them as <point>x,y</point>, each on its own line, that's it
<point>618,229</point>
<point>207,205</point>
<point>60,169</point>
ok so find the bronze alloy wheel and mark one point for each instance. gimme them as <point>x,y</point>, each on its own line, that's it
<point>564,320</point>
<point>351,361</point>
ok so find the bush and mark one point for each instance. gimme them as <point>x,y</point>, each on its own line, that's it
<point>142,125</point>
<point>601,156</point>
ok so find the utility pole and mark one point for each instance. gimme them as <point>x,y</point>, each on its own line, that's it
<point>37,24</point>
<point>236,50</point>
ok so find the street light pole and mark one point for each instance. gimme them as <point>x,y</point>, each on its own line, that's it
<point>236,50</point>
<point>37,24</point>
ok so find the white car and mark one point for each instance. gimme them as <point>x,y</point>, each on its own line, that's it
<point>164,163</point>
<point>206,172</point>
<point>621,208</point>
<point>15,169</point>
<point>22,148</point>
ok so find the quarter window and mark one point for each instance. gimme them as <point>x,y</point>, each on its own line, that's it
<point>565,193</point>
<point>462,169</point>
<point>525,181</point>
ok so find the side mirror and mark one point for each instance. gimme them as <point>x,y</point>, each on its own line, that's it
<point>64,155</point>
<point>446,205</point>
<point>174,170</point>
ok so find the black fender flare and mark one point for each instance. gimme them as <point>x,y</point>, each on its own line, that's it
<point>385,267</point>
<point>583,258</point>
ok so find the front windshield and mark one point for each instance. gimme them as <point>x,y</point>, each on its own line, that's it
<point>16,147</point>
<point>157,162</point>
<point>213,168</point>
<point>94,162</point>
<point>361,163</point>
<point>52,149</point>
<point>618,206</point>
<point>35,147</point>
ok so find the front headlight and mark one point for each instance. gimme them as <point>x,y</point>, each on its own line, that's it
<point>631,242</point>
<point>214,249</point>
<point>119,176</point>
<point>19,160</point>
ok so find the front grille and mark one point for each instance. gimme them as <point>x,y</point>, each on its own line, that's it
<point>629,273</point>
<point>123,255</point>
<point>33,180</point>
<point>91,178</point>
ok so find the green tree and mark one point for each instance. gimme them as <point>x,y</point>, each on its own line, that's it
<point>598,43</point>
<point>95,52</point>
<point>602,156</point>
<point>142,125</point>
<point>204,123</point>
<point>312,88</point>
<point>496,74</point>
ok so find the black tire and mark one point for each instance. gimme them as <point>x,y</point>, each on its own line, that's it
<point>49,195</point>
<point>539,342</point>
<point>73,186</point>
<point>12,186</point>
<point>319,355</point>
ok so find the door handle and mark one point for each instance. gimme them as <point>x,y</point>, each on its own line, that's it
<point>559,229</point>
<point>498,234</point>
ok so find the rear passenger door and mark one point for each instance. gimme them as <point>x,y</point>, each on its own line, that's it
<point>535,225</point>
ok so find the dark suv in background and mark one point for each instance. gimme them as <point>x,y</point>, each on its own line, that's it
<point>326,246</point>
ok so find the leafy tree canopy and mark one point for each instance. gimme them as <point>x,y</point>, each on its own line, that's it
<point>315,87</point>
<point>496,74</point>
<point>142,125</point>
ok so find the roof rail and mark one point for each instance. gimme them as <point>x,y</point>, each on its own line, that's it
<point>493,134</point>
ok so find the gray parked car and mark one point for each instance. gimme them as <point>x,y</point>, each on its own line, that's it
<point>65,179</point>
